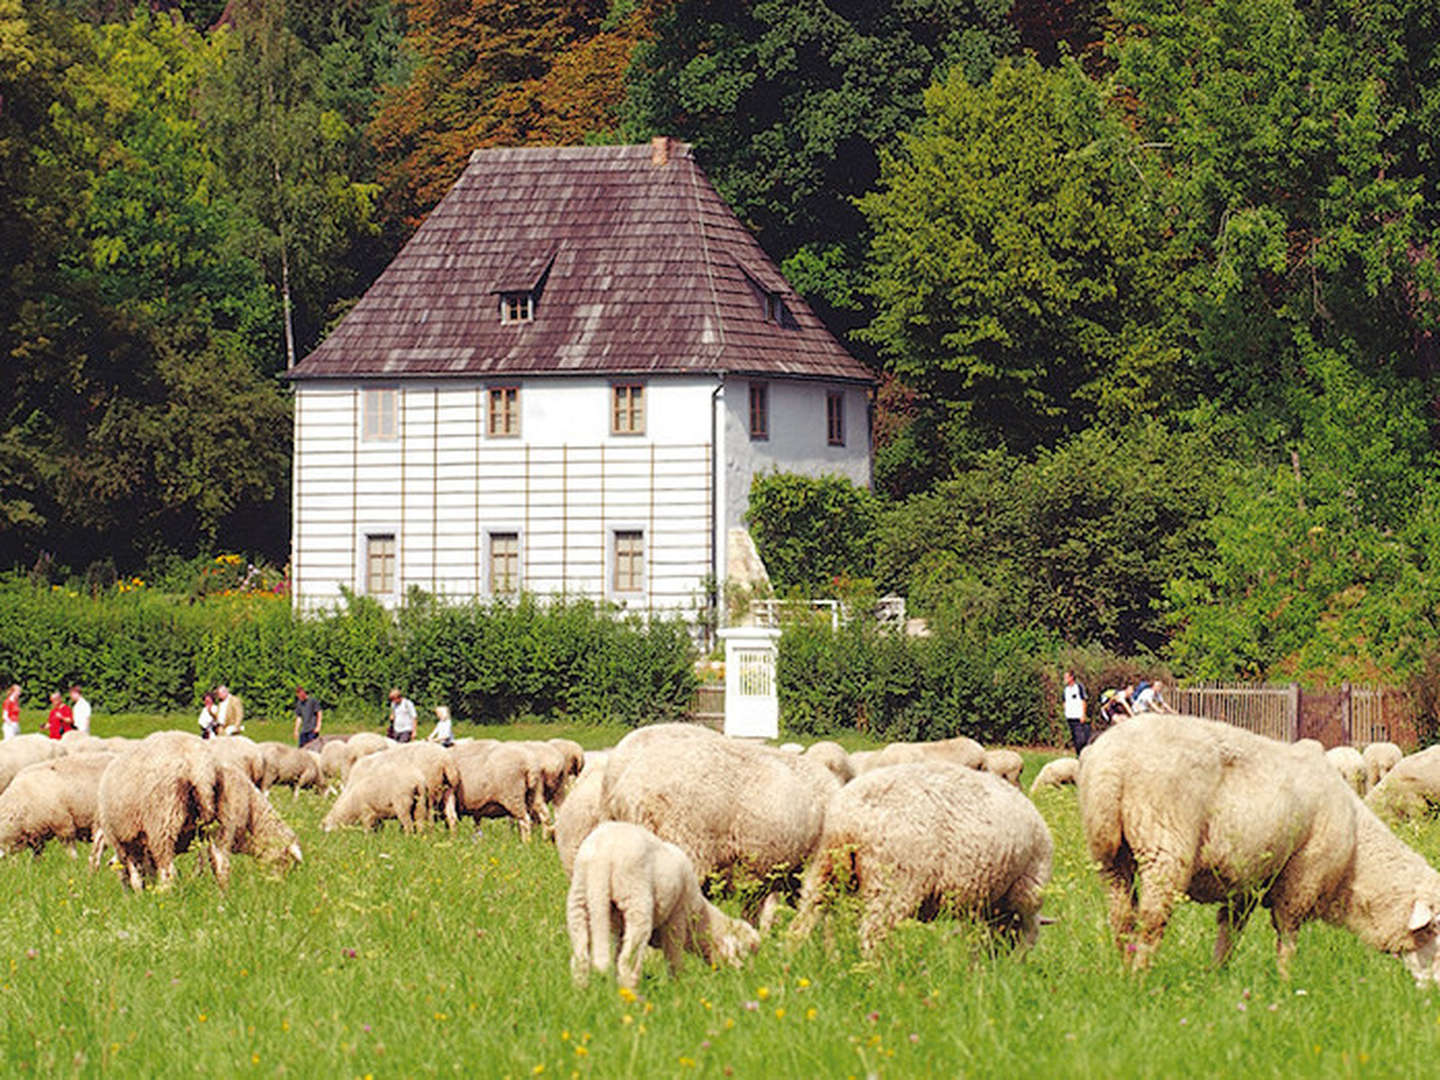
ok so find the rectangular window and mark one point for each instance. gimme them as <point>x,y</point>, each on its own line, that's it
<point>380,564</point>
<point>774,308</point>
<point>627,413</point>
<point>379,414</point>
<point>629,561</point>
<point>504,563</point>
<point>835,418</point>
<point>517,307</point>
<point>759,411</point>
<point>504,411</point>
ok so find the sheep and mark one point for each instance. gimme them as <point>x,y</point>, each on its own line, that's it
<point>1061,770</point>
<point>1006,764</point>
<point>1310,744</point>
<point>372,796</point>
<point>1380,758</point>
<point>957,751</point>
<point>56,798</point>
<point>628,879</point>
<point>338,758</point>
<point>921,838</point>
<point>435,764</point>
<point>1348,762</point>
<point>286,764</point>
<point>579,814</point>
<point>157,797</point>
<point>24,750</point>
<point>833,756</point>
<point>862,761</point>
<point>556,768</point>
<point>790,748</point>
<point>246,824</point>
<point>240,751</point>
<point>731,806</point>
<point>497,780</point>
<point>1179,805</point>
<point>1410,789</point>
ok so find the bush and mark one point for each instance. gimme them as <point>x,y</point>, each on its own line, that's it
<point>811,529</point>
<point>140,650</point>
<point>992,687</point>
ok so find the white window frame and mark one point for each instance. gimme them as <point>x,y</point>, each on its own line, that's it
<point>519,535</point>
<point>517,307</point>
<point>379,404</point>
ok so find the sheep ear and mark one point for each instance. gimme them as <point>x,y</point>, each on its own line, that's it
<point>1421,915</point>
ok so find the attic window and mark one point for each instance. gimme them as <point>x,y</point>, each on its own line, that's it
<point>774,308</point>
<point>517,307</point>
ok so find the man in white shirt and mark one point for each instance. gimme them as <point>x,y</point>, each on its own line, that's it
<point>402,717</point>
<point>1075,715</point>
<point>1151,699</point>
<point>80,708</point>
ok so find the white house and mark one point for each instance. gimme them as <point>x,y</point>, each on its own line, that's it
<point>563,383</point>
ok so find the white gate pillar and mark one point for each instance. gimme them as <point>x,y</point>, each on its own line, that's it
<point>752,703</point>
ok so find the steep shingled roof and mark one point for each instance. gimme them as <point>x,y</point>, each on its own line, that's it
<point>640,268</point>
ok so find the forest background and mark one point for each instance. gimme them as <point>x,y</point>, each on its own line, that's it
<point>1150,285</point>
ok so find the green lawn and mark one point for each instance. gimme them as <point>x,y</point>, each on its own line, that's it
<point>386,955</point>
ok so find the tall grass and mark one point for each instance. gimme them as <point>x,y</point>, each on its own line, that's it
<point>388,955</point>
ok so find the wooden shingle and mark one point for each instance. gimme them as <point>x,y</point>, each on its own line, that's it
<point>640,268</point>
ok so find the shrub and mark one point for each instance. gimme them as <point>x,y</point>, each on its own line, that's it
<point>811,529</point>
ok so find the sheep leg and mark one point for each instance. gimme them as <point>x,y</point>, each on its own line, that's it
<point>1163,879</point>
<point>672,941</point>
<point>887,902</point>
<point>1287,926</point>
<point>577,922</point>
<point>220,863</point>
<point>637,919</point>
<point>535,805</point>
<point>97,849</point>
<point>812,894</point>
<point>452,819</point>
<point>1230,920</point>
<point>1119,880</point>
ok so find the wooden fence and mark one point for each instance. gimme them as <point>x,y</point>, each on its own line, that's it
<point>708,706</point>
<point>1339,716</point>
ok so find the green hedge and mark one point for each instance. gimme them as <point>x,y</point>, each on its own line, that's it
<point>993,687</point>
<point>145,651</point>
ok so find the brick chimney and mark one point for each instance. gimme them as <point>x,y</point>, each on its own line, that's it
<point>660,150</point>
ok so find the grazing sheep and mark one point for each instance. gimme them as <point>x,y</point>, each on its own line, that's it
<point>833,756</point>
<point>154,800</point>
<point>918,839</point>
<point>579,814</point>
<point>373,795</point>
<point>1410,789</point>
<point>1348,762</point>
<point>497,780</point>
<point>574,763</point>
<point>730,805</point>
<point>1380,758</point>
<point>435,763</point>
<point>24,750</point>
<point>1310,744</point>
<point>1061,770</point>
<point>862,761</point>
<point>289,765</point>
<point>1177,805</point>
<point>628,880</point>
<point>243,753</point>
<point>790,748</point>
<point>338,758</point>
<point>1006,764</point>
<point>557,768</point>
<point>957,751</point>
<point>52,799</point>
<point>246,824</point>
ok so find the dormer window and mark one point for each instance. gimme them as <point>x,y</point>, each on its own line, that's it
<point>774,308</point>
<point>517,307</point>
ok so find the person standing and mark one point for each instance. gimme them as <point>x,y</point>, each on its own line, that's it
<point>1075,716</point>
<point>229,713</point>
<point>402,717</point>
<point>61,719</point>
<point>12,711</point>
<point>80,708</point>
<point>308,717</point>
<point>208,717</point>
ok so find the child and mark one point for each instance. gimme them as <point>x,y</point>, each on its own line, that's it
<point>12,711</point>
<point>209,717</point>
<point>61,718</point>
<point>443,733</point>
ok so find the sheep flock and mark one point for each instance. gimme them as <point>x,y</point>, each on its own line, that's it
<point>653,831</point>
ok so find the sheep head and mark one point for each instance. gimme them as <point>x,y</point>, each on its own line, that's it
<point>1423,959</point>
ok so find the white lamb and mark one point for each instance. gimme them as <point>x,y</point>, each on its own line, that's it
<point>1061,770</point>
<point>1349,763</point>
<point>1006,764</point>
<point>1177,805</point>
<point>918,839</point>
<point>1380,758</point>
<point>628,881</point>
<point>1410,789</point>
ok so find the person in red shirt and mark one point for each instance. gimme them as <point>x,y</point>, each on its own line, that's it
<point>61,718</point>
<point>12,711</point>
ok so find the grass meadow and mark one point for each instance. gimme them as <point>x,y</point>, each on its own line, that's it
<point>386,955</point>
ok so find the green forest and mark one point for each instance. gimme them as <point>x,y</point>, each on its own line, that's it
<point>1150,286</point>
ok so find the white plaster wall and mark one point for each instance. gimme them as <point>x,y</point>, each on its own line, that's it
<point>798,439</point>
